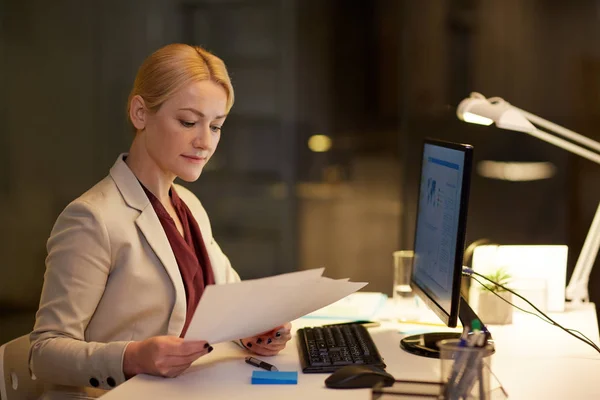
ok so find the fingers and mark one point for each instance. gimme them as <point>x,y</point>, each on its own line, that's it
<point>168,367</point>
<point>258,346</point>
<point>283,331</point>
<point>176,371</point>
<point>260,342</point>
<point>266,344</point>
<point>274,339</point>
<point>287,326</point>
<point>271,332</point>
<point>271,343</point>
<point>261,351</point>
<point>163,355</point>
<point>279,334</point>
<point>185,348</point>
<point>173,365</point>
<point>176,360</point>
<point>178,363</point>
<point>277,331</point>
<point>184,353</point>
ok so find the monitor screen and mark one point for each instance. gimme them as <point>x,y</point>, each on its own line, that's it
<point>441,225</point>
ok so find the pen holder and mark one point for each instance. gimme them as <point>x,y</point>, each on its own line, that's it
<point>465,370</point>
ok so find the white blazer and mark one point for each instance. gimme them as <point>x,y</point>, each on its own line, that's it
<point>111,278</point>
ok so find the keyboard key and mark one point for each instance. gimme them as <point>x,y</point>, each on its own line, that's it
<point>326,349</point>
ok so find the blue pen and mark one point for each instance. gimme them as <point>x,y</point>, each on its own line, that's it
<point>474,364</point>
<point>459,362</point>
<point>463,362</point>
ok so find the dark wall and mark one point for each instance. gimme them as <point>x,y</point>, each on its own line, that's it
<point>540,56</point>
<point>68,67</point>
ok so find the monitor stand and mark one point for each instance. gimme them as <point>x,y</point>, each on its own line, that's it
<point>425,344</point>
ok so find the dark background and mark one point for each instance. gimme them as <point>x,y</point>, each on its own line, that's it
<point>375,76</point>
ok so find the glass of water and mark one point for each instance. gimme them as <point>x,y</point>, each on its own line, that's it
<point>403,260</point>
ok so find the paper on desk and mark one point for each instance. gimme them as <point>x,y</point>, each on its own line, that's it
<point>360,305</point>
<point>247,308</point>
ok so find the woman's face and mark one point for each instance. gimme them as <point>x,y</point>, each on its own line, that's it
<point>184,133</point>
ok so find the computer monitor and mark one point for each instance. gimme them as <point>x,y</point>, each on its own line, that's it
<point>440,240</point>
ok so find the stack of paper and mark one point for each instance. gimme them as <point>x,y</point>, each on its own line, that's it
<point>247,308</point>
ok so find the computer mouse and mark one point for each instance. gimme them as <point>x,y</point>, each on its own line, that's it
<point>358,376</point>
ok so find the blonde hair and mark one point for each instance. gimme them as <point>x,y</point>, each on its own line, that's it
<point>172,67</point>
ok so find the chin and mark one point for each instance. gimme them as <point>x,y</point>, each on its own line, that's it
<point>190,176</point>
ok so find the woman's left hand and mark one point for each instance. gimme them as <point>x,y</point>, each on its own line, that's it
<point>271,342</point>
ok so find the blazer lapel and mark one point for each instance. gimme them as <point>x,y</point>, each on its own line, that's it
<point>157,239</point>
<point>150,226</point>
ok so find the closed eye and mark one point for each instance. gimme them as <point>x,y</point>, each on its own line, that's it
<point>187,124</point>
<point>215,128</point>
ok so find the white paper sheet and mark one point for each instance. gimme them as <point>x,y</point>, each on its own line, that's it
<point>247,308</point>
<point>360,305</point>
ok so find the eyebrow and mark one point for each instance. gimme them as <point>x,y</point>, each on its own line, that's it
<point>200,114</point>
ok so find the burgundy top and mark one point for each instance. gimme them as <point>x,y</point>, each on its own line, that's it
<point>189,250</point>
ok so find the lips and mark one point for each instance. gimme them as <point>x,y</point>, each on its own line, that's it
<point>194,159</point>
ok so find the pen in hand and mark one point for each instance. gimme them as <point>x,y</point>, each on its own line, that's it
<point>261,364</point>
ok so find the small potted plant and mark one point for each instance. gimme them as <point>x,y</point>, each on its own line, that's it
<point>492,309</point>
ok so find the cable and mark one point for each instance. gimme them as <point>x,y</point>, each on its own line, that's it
<point>525,311</point>
<point>470,272</point>
<point>548,319</point>
<point>506,301</point>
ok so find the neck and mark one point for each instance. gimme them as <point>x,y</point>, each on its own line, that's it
<point>144,167</point>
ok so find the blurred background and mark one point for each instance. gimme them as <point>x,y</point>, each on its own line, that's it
<point>319,160</point>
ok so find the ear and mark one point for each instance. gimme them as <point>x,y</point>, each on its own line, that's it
<point>138,112</point>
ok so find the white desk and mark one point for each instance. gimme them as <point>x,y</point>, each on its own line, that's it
<point>533,360</point>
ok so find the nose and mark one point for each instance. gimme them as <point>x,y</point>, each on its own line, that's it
<point>203,138</point>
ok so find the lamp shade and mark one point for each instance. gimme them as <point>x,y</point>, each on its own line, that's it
<point>479,110</point>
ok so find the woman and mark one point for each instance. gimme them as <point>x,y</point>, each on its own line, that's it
<point>129,259</point>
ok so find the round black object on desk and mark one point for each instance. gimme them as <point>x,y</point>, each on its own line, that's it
<point>425,344</point>
<point>358,377</point>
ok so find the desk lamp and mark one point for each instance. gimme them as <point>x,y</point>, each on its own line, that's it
<point>479,110</point>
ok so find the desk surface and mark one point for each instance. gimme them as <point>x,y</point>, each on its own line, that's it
<point>533,360</point>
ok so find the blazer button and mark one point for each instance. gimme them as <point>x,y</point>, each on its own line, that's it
<point>111,382</point>
<point>94,382</point>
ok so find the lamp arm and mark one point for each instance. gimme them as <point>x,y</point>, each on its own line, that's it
<point>577,289</point>
<point>565,145</point>
<point>569,134</point>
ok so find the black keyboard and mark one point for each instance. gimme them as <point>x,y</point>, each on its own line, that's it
<point>328,348</point>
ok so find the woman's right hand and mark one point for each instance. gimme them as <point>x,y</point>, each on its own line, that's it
<point>166,356</point>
